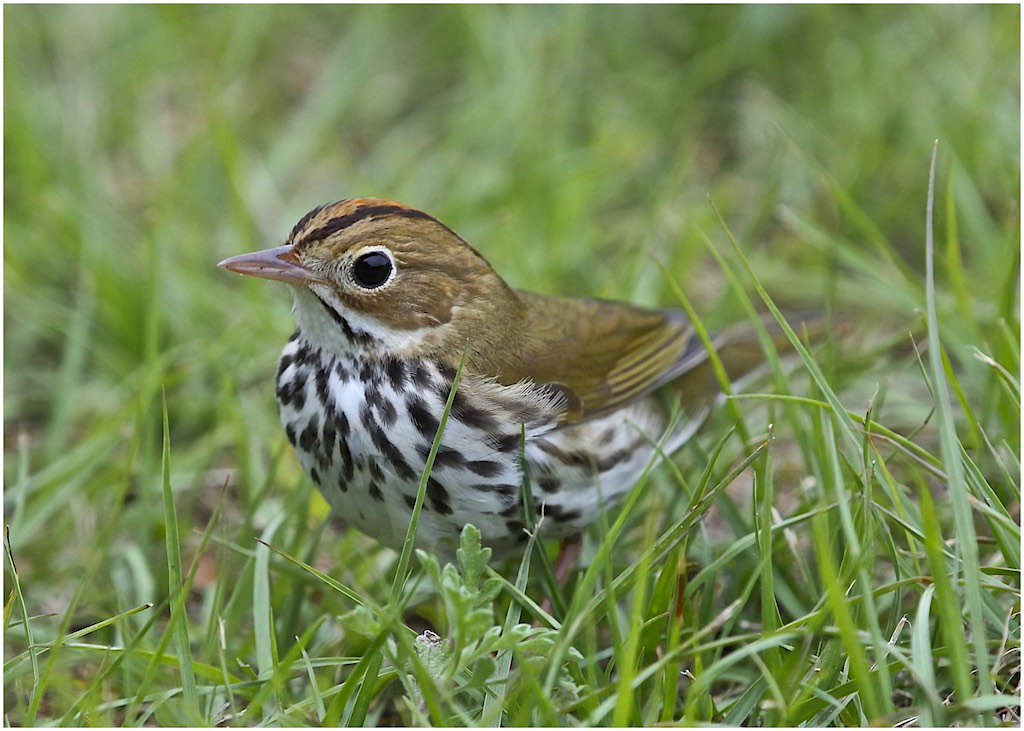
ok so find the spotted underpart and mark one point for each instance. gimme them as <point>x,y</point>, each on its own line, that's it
<point>560,395</point>
<point>362,387</point>
<point>363,427</point>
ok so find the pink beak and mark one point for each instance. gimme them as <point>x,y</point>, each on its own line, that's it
<point>278,263</point>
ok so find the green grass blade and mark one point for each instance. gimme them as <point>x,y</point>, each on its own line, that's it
<point>262,610</point>
<point>494,708</point>
<point>365,695</point>
<point>925,661</point>
<point>764,497</point>
<point>37,688</point>
<point>969,569</point>
<point>175,581</point>
<point>360,673</point>
<point>949,605</point>
<point>839,607</point>
<point>330,581</point>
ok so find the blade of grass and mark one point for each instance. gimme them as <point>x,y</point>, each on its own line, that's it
<point>175,581</point>
<point>37,689</point>
<point>925,661</point>
<point>764,497</point>
<point>324,578</point>
<point>839,606</point>
<point>262,611</point>
<point>13,664</point>
<point>628,655</point>
<point>359,674</point>
<point>494,708</point>
<point>318,699</point>
<point>950,623</point>
<point>366,693</point>
<point>960,498</point>
<point>273,683</point>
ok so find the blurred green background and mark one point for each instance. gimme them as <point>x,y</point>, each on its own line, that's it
<point>575,146</point>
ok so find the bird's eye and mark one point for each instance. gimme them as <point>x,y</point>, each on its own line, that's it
<point>372,269</point>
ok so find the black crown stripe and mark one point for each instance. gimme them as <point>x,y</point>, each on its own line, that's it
<point>303,222</point>
<point>339,223</point>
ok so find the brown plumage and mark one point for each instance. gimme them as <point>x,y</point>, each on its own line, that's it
<point>382,288</point>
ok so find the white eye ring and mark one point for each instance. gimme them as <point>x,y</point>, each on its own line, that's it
<point>372,268</point>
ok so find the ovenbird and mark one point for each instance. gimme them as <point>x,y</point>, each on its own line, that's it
<point>390,302</point>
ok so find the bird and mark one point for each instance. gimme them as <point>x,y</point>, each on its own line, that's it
<point>574,396</point>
